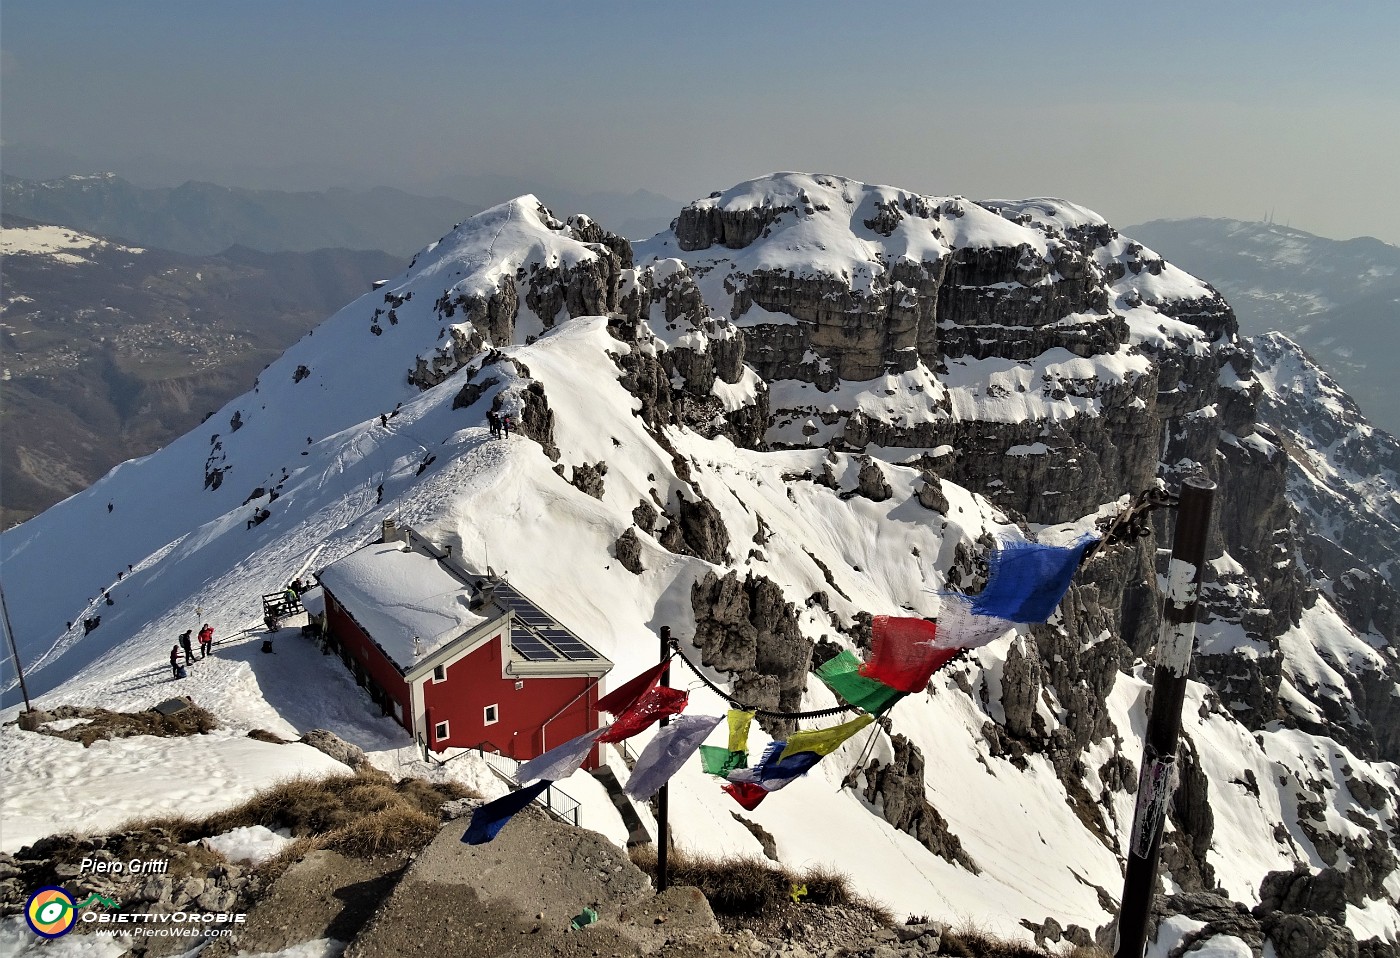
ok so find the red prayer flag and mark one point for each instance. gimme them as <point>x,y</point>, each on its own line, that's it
<point>621,698</point>
<point>653,704</point>
<point>747,794</point>
<point>904,655</point>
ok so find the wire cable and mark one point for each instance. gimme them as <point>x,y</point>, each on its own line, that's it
<point>743,707</point>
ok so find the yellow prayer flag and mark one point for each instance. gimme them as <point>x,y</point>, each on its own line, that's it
<point>739,723</point>
<point>824,741</point>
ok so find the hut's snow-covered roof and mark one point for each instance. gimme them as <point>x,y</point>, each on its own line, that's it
<point>396,595</point>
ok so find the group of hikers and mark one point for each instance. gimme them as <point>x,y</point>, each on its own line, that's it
<point>185,644</point>
<point>292,596</point>
<point>500,424</point>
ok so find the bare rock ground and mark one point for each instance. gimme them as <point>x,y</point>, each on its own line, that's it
<point>517,895</point>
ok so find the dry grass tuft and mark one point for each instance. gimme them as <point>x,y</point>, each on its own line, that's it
<point>744,887</point>
<point>397,829</point>
<point>969,940</point>
<point>272,869</point>
<point>174,828</point>
<point>365,813</point>
<point>316,806</point>
<point>106,724</point>
<point>303,806</point>
<point>429,795</point>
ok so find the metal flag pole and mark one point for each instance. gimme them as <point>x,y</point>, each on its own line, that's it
<point>14,650</point>
<point>1158,772</point>
<point>663,833</point>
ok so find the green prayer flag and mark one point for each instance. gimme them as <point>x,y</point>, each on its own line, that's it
<point>721,761</point>
<point>842,675</point>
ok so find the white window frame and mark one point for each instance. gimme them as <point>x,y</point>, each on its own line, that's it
<point>444,734</point>
<point>487,714</point>
<point>439,674</point>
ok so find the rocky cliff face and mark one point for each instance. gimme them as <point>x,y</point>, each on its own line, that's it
<point>1023,350</point>
<point>586,284</point>
<point>1029,352</point>
<point>966,335</point>
<point>1343,479</point>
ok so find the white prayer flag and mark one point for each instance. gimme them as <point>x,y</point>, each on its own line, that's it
<point>668,750</point>
<point>560,761</point>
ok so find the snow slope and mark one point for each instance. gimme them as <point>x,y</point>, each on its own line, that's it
<point>57,243</point>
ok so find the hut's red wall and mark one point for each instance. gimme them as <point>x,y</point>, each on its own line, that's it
<point>347,632</point>
<point>475,682</point>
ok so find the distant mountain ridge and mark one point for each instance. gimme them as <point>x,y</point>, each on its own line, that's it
<point>1338,299</point>
<point>111,350</point>
<point>203,218</point>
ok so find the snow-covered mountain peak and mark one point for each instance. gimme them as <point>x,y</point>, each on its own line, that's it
<point>810,402</point>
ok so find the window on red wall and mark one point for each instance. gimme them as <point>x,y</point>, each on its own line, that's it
<point>440,674</point>
<point>490,715</point>
<point>440,731</point>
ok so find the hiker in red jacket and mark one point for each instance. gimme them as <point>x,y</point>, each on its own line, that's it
<point>206,640</point>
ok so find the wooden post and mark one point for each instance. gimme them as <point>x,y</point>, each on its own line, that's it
<point>663,832</point>
<point>1158,773</point>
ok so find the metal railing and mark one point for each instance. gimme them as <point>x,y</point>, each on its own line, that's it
<point>629,757</point>
<point>503,765</point>
<point>560,805</point>
<point>555,801</point>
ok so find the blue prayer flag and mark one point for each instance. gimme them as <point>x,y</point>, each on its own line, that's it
<point>778,774</point>
<point>490,818</point>
<point>773,771</point>
<point>1027,580</point>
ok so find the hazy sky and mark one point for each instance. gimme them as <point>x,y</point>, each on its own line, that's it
<point>1137,110</point>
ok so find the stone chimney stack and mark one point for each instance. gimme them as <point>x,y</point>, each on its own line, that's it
<point>391,532</point>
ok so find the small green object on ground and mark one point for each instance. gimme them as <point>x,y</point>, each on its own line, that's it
<point>587,917</point>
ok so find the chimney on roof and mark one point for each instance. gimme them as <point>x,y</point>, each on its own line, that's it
<point>391,532</point>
